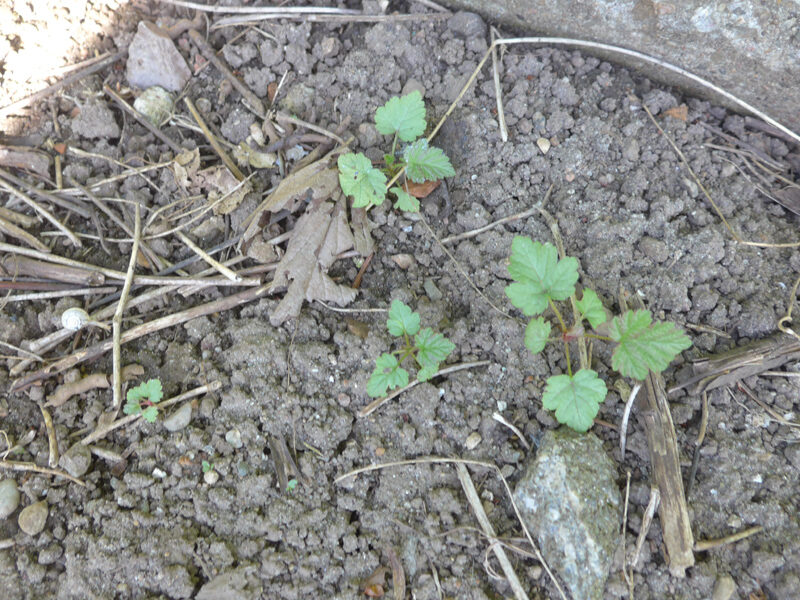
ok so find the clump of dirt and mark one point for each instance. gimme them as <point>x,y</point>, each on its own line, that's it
<point>626,207</point>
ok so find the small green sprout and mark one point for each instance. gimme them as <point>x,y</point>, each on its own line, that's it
<point>540,280</point>
<point>143,399</point>
<point>290,485</point>
<point>207,466</point>
<point>404,119</point>
<point>426,347</point>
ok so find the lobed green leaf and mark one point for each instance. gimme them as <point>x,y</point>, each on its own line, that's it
<point>576,399</point>
<point>402,320</point>
<point>539,275</point>
<point>427,372</point>
<point>150,414</point>
<point>592,308</point>
<point>643,345</point>
<point>536,334</point>
<point>148,390</point>
<point>432,348</point>
<point>402,115</point>
<point>362,181</point>
<point>426,163</point>
<point>405,201</point>
<point>388,374</point>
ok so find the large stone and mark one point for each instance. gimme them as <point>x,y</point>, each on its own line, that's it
<point>154,60</point>
<point>569,499</point>
<point>747,48</point>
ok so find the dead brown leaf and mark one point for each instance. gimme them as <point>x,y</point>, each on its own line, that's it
<point>224,191</point>
<point>422,190</point>
<point>317,177</point>
<point>398,575</point>
<point>318,236</point>
<point>678,112</point>
<point>362,231</point>
<point>217,181</point>
<point>789,198</point>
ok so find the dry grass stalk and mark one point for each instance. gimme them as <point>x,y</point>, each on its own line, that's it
<point>101,348</point>
<point>123,300</point>
<point>477,508</point>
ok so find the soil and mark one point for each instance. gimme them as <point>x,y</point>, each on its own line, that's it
<point>626,207</point>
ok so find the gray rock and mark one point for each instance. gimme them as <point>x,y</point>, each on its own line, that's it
<point>467,25</point>
<point>231,585</point>
<point>179,419</point>
<point>154,60</point>
<point>9,497</point>
<point>724,588</point>
<point>234,438</point>
<point>95,121</point>
<point>77,460</point>
<point>32,518</point>
<point>569,499</point>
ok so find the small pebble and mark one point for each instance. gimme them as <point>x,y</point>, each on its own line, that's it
<point>234,438</point>
<point>179,419</point>
<point>431,290</point>
<point>9,497</point>
<point>544,145</point>
<point>32,518</point>
<point>724,588</point>
<point>211,477</point>
<point>472,441</point>
<point>404,261</point>
<point>243,469</point>
<point>77,460</point>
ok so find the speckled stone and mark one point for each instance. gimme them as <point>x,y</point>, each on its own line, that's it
<point>33,518</point>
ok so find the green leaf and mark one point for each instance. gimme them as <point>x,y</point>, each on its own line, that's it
<point>644,345</point>
<point>405,201</point>
<point>150,414</point>
<point>426,373</point>
<point>132,406</point>
<point>536,334</point>
<point>290,485</point>
<point>207,466</point>
<point>575,399</point>
<point>362,181</point>
<point>402,320</point>
<point>539,275</point>
<point>432,348</point>
<point>149,390</point>
<point>426,163</point>
<point>388,374</point>
<point>592,308</point>
<point>404,116</point>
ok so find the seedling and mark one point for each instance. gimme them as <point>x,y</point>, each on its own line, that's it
<point>291,485</point>
<point>540,280</point>
<point>144,399</point>
<point>426,347</point>
<point>207,466</point>
<point>404,119</point>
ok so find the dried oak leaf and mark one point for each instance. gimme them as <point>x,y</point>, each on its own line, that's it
<point>318,177</point>
<point>224,190</point>
<point>318,236</point>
